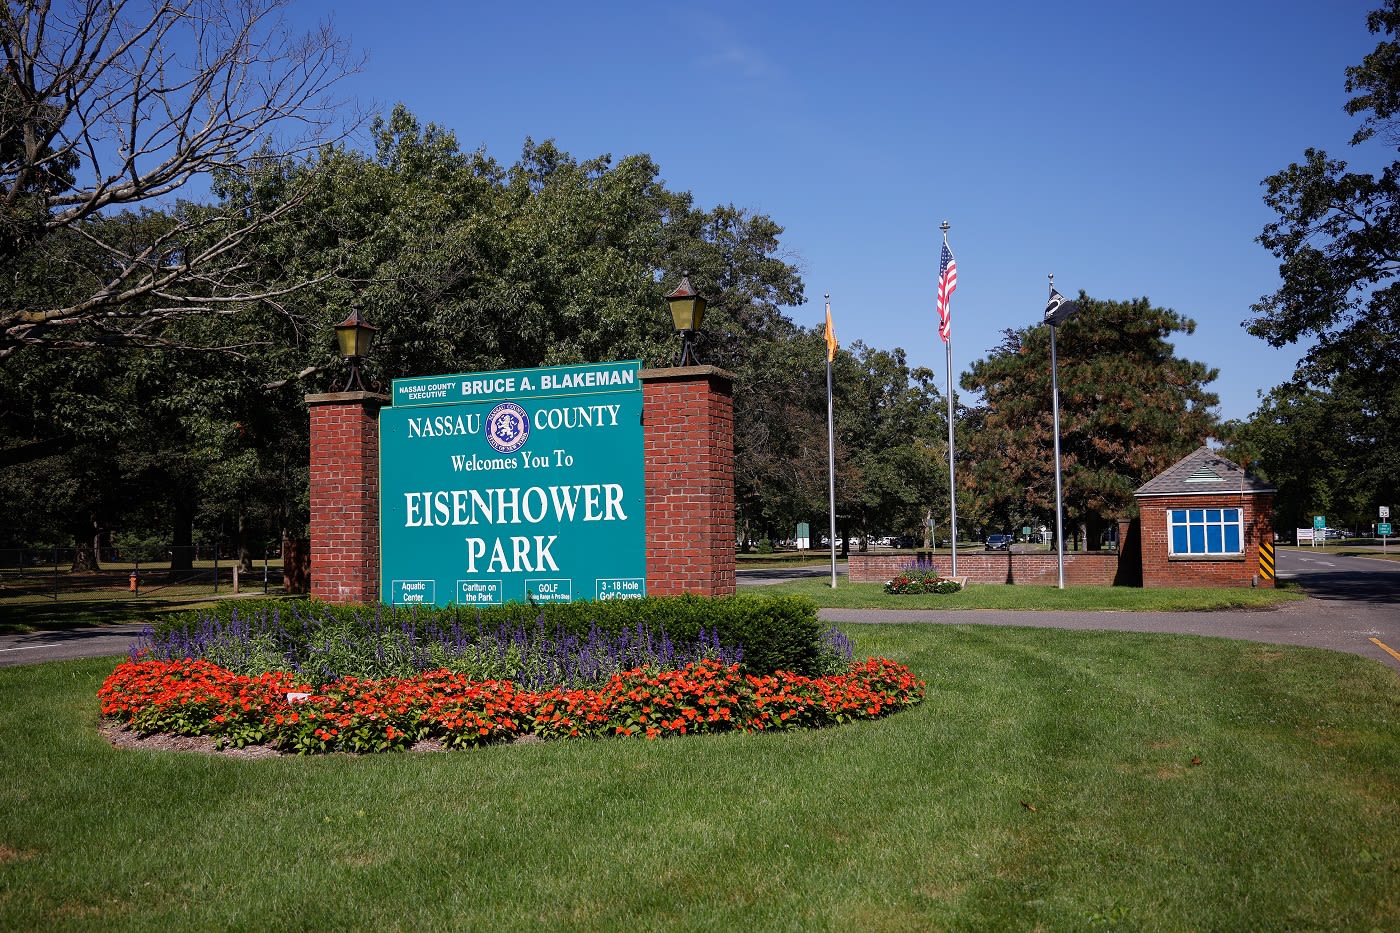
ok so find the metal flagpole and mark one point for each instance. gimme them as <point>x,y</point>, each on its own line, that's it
<point>831,438</point>
<point>1059,499</point>
<point>952,481</point>
<point>1056,311</point>
<point>952,474</point>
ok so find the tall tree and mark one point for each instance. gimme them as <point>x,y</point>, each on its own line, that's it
<point>780,470</point>
<point>892,443</point>
<point>465,264</point>
<point>1337,237</point>
<point>1129,408</point>
<point>1292,441</point>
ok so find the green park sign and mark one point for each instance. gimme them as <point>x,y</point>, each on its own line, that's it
<point>513,485</point>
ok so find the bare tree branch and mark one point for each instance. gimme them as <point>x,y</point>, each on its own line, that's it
<point>110,104</point>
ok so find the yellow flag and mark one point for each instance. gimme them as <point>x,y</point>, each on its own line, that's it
<point>831,343</point>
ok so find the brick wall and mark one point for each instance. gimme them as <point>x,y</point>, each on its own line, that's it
<point>345,496</point>
<point>1082,568</point>
<point>1161,569</point>
<point>688,429</point>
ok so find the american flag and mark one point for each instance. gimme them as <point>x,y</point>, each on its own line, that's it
<point>947,284</point>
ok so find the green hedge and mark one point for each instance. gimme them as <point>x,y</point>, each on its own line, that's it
<point>776,632</point>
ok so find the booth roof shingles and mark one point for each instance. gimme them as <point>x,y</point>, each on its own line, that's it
<point>1203,479</point>
<point>1203,472</point>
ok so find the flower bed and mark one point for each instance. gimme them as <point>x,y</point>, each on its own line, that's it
<point>197,697</point>
<point>916,579</point>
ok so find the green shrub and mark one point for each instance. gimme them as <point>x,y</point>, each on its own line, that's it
<point>775,632</point>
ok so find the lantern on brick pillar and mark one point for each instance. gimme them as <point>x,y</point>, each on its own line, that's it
<point>355,336</point>
<point>687,311</point>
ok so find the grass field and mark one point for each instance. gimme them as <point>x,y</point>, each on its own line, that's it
<point>1051,780</point>
<point>27,614</point>
<point>848,595</point>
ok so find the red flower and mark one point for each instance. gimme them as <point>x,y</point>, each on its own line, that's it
<point>198,697</point>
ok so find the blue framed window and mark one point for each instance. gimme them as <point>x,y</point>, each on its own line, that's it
<point>1195,532</point>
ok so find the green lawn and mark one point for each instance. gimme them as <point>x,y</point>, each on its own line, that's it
<point>849,595</point>
<point>1052,780</point>
<point>36,599</point>
<point>1357,548</point>
<point>37,613</point>
<point>27,614</point>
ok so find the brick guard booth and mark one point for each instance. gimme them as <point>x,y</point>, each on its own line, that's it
<point>1202,522</point>
<point>688,441</point>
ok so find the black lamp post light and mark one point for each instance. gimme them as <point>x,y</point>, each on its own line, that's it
<point>687,311</point>
<point>356,336</point>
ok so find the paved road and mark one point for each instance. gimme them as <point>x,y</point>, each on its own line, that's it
<point>1351,601</point>
<point>73,643</point>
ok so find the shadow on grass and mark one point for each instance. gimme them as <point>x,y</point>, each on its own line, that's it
<point>47,615</point>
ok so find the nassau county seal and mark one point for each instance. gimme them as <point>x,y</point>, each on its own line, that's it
<point>507,427</point>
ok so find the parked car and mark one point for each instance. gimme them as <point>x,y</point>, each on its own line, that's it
<point>998,542</point>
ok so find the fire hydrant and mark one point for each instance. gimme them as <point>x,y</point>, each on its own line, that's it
<point>133,581</point>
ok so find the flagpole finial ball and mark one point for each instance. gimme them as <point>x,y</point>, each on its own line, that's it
<point>944,226</point>
<point>827,296</point>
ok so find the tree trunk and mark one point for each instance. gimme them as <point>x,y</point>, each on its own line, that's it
<point>245,554</point>
<point>296,564</point>
<point>1097,527</point>
<point>86,539</point>
<point>182,536</point>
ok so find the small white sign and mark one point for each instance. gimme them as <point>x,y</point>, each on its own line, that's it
<point>1385,511</point>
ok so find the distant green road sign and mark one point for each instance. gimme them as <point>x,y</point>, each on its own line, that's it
<point>1383,529</point>
<point>1319,521</point>
<point>502,486</point>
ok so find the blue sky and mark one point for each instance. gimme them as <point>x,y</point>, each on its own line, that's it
<point>1118,145</point>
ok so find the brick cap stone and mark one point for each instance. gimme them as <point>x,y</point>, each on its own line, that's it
<point>347,398</point>
<point>677,373</point>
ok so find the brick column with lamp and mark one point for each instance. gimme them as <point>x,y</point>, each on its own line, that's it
<point>688,428</point>
<point>345,496</point>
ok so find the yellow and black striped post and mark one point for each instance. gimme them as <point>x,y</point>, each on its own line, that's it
<point>1266,560</point>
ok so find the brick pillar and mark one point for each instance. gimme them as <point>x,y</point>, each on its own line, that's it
<point>345,496</point>
<point>688,428</point>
